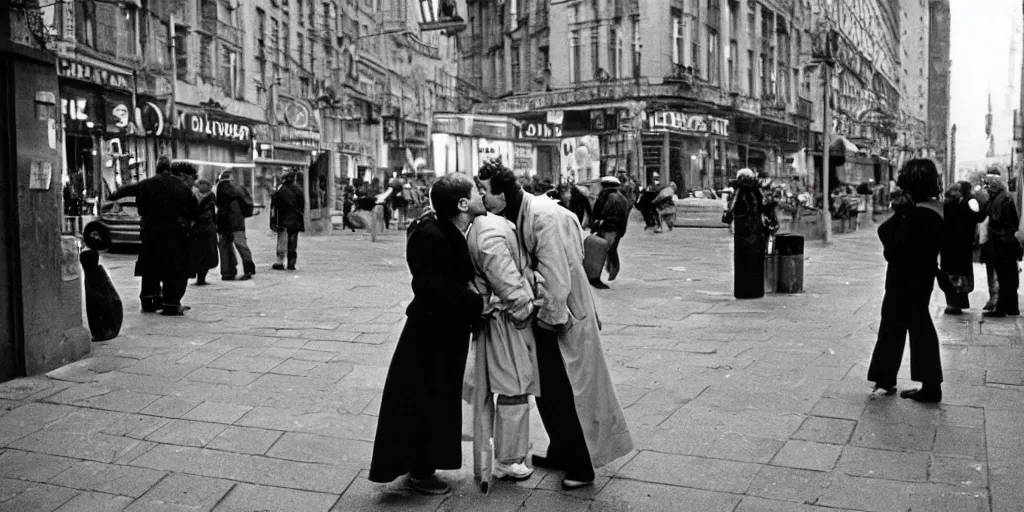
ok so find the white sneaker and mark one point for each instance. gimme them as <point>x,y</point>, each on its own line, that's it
<point>514,471</point>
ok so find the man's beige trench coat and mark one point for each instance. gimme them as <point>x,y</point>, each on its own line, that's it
<point>552,239</point>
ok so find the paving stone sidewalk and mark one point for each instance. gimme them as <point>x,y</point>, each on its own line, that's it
<point>264,398</point>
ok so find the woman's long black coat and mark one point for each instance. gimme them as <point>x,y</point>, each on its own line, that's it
<point>750,242</point>
<point>421,410</point>
<point>204,252</point>
<point>961,223</point>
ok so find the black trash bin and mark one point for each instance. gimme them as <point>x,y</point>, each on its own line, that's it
<point>791,263</point>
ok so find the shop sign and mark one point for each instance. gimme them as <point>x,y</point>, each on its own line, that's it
<point>119,117</point>
<point>450,125</point>
<point>578,96</point>
<point>689,123</point>
<point>87,73</point>
<point>390,129</point>
<point>289,135</point>
<point>490,129</point>
<point>418,131</point>
<point>539,131</point>
<point>199,125</point>
<point>523,159</point>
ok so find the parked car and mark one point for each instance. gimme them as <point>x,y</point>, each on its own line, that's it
<point>119,223</point>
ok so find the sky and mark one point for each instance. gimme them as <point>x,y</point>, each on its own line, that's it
<point>980,53</point>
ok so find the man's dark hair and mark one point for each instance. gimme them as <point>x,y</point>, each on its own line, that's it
<point>503,180</point>
<point>919,178</point>
<point>447,191</point>
<point>183,168</point>
<point>163,164</point>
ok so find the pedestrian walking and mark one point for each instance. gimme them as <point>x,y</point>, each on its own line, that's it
<point>961,214</point>
<point>579,203</point>
<point>665,204</point>
<point>419,429</point>
<point>204,252</point>
<point>287,219</point>
<point>750,235</point>
<point>578,405</point>
<point>611,216</point>
<point>233,206</point>
<point>1001,248</point>
<point>167,207</point>
<point>912,239</point>
<point>645,204</point>
<point>504,351</point>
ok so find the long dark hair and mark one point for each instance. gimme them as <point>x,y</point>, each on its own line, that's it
<point>919,178</point>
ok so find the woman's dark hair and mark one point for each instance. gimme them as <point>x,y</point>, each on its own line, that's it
<point>447,191</point>
<point>919,178</point>
<point>183,168</point>
<point>502,179</point>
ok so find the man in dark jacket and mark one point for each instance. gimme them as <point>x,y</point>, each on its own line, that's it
<point>611,216</point>
<point>419,429</point>
<point>167,207</point>
<point>287,217</point>
<point>231,228</point>
<point>1002,248</point>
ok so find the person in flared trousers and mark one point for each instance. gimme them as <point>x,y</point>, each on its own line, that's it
<point>911,241</point>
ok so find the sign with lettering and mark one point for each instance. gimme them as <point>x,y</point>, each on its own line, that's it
<point>200,126</point>
<point>539,131</point>
<point>524,159</point>
<point>88,73</point>
<point>679,122</point>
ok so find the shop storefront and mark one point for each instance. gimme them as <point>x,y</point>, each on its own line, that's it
<point>462,142</point>
<point>536,152</point>
<point>215,142</point>
<point>689,149</point>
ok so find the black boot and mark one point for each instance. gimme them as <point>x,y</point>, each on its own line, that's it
<point>928,393</point>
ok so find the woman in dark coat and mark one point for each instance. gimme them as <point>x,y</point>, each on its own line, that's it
<point>911,239</point>
<point>962,215</point>
<point>751,236</point>
<point>579,203</point>
<point>419,429</point>
<point>204,233</point>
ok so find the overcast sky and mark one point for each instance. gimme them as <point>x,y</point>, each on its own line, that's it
<point>980,51</point>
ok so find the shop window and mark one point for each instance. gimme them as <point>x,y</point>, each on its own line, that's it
<point>85,23</point>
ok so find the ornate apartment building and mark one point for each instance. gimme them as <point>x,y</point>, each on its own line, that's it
<point>680,90</point>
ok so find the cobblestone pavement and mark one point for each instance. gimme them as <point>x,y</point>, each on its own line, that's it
<point>265,396</point>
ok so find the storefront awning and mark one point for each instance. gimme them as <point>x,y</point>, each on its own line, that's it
<point>235,165</point>
<point>277,161</point>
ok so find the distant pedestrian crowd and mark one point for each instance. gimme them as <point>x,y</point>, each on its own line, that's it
<point>189,226</point>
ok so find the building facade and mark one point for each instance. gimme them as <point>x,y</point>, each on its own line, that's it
<point>691,91</point>
<point>257,88</point>
<point>912,131</point>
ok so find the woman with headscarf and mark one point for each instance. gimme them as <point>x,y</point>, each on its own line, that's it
<point>204,251</point>
<point>665,203</point>
<point>750,236</point>
<point>1001,248</point>
<point>911,239</point>
<point>962,214</point>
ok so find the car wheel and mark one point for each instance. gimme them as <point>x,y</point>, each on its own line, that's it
<point>96,236</point>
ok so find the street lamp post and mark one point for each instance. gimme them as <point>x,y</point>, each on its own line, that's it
<point>827,46</point>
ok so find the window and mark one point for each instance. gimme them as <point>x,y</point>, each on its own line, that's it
<point>85,23</point>
<point>713,60</point>
<point>695,43</point>
<point>516,68</point>
<point>300,10</point>
<point>106,28</point>
<point>763,76</point>
<point>205,56</point>
<point>595,48</point>
<point>126,31</point>
<point>751,72</point>
<point>636,47</point>
<point>181,52</point>
<point>229,76</point>
<point>677,37</point>
<point>286,42</point>
<point>310,44</point>
<point>614,52</point>
<point>734,55</point>
<point>301,48</point>
<point>574,56</point>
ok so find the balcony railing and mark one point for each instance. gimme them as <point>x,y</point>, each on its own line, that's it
<point>682,74</point>
<point>223,31</point>
<point>805,108</point>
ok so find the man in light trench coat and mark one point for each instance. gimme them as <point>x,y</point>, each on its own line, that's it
<point>578,405</point>
<point>504,355</point>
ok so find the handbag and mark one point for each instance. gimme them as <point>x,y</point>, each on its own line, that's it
<point>595,251</point>
<point>954,283</point>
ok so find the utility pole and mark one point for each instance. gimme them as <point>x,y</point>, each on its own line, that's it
<point>826,128</point>
<point>1020,141</point>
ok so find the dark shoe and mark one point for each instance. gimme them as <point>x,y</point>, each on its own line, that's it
<point>245,277</point>
<point>175,310</point>
<point>570,484</point>
<point>1012,313</point>
<point>883,390</point>
<point>599,285</point>
<point>989,306</point>
<point>950,310</point>
<point>430,485</point>
<point>545,462</point>
<point>930,396</point>
<point>277,266</point>
<point>228,278</point>
<point>291,267</point>
<point>150,310</point>
<point>995,313</point>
